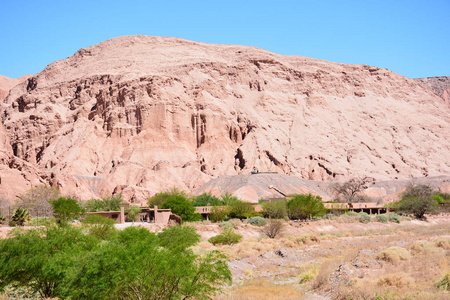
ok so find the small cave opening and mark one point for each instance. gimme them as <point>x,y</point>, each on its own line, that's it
<point>239,158</point>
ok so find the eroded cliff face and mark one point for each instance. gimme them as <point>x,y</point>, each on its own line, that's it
<point>140,114</point>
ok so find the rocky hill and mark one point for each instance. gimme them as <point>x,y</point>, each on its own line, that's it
<point>440,85</point>
<point>140,114</point>
<point>6,84</point>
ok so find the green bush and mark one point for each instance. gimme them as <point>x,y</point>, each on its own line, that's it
<point>302,207</point>
<point>2,219</point>
<point>394,218</point>
<point>444,282</point>
<point>351,213</point>
<point>65,263</point>
<point>275,209</point>
<point>382,218</point>
<point>20,216</point>
<point>41,221</point>
<point>99,226</point>
<point>241,210</point>
<point>257,221</point>
<point>364,217</point>
<point>218,213</point>
<point>226,225</point>
<point>227,237</point>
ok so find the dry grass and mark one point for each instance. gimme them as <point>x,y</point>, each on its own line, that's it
<point>262,288</point>
<point>391,261</point>
<point>394,254</point>
<point>398,280</point>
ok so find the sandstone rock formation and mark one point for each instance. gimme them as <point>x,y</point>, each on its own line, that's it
<point>6,84</point>
<point>440,85</point>
<point>142,114</point>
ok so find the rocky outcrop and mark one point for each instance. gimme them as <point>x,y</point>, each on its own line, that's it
<point>141,114</point>
<point>440,85</point>
<point>6,84</point>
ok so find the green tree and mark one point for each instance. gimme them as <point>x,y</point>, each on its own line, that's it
<point>140,265</point>
<point>182,207</point>
<point>417,205</point>
<point>229,198</point>
<point>417,200</point>
<point>207,200</point>
<point>240,209</point>
<point>66,209</point>
<point>111,203</point>
<point>162,197</point>
<point>275,209</point>
<point>39,259</point>
<point>133,212</point>
<point>218,213</point>
<point>302,207</point>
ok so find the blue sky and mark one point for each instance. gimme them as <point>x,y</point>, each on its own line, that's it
<point>408,37</point>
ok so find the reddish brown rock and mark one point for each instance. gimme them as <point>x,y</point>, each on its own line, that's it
<point>439,84</point>
<point>147,113</point>
<point>6,84</point>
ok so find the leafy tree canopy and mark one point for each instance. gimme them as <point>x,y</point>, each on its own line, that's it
<point>162,197</point>
<point>105,204</point>
<point>66,209</point>
<point>305,206</point>
<point>275,209</point>
<point>66,263</point>
<point>207,200</point>
<point>182,207</point>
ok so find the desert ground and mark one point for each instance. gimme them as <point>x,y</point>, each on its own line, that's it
<point>337,259</point>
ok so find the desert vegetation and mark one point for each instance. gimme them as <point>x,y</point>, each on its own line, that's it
<point>292,249</point>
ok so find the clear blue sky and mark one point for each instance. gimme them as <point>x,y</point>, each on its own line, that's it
<point>408,37</point>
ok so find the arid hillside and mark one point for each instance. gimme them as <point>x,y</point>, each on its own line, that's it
<point>140,114</point>
<point>440,85</point>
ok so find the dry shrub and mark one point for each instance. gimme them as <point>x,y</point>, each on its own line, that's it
<point>273,228</point>
<point>322,280</point>
<point>308,275</point>
<point>287,242</point>
<point>394,254</point>
<point>399,280</point>
<point>305,239</point>
<point>421,248</point>
<point>442,243</point>
<point>327,236</point>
